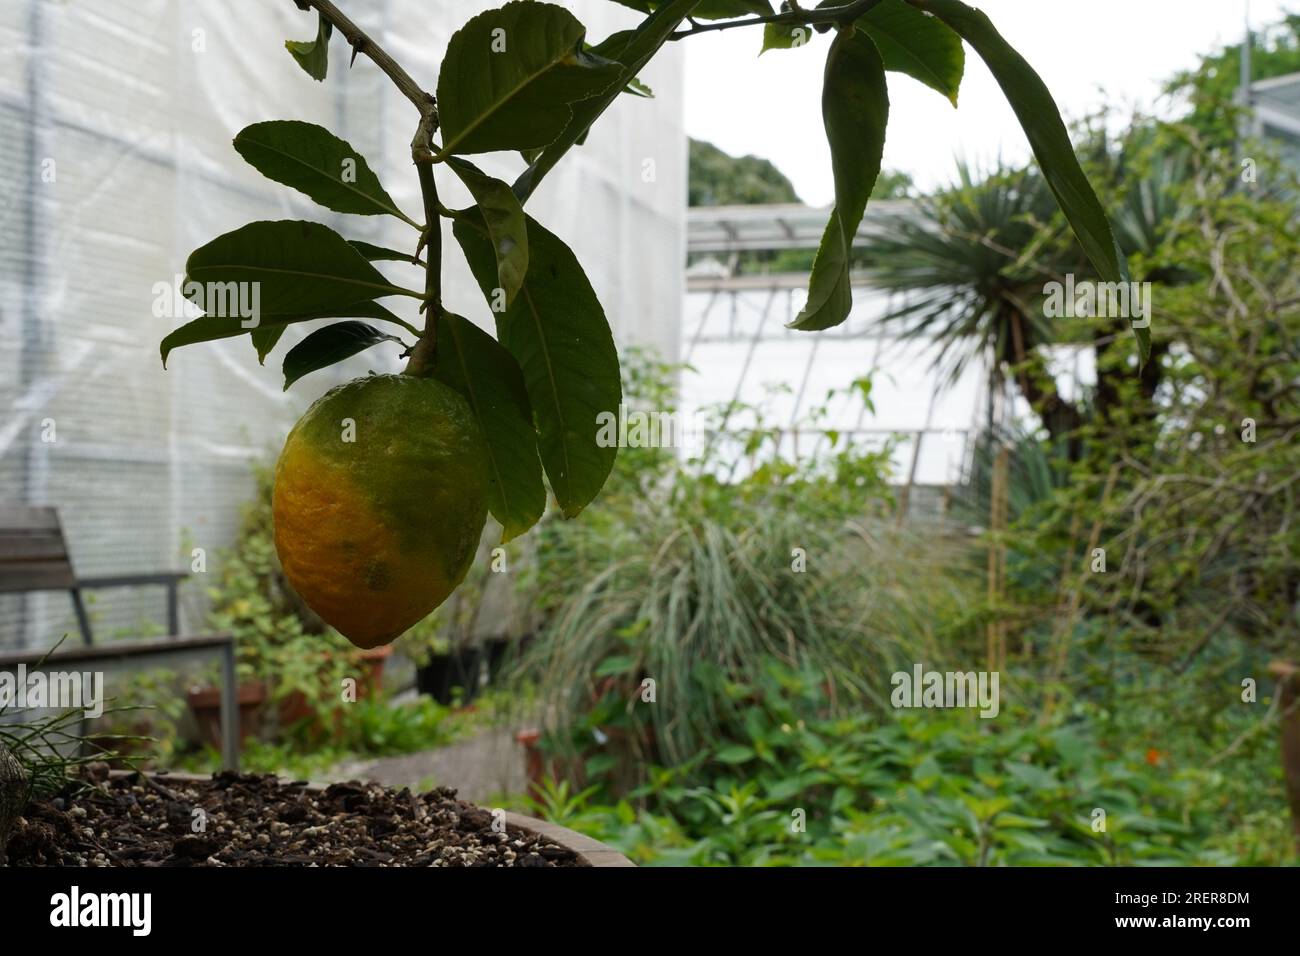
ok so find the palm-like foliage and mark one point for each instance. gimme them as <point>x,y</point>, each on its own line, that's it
<point>969,264</point>
<point>964,261</point>
<point>1146,170</point>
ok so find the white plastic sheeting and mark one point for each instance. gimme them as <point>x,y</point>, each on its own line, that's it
<point>738,350</point>
<point>735,340</point>
<point>116,120</point>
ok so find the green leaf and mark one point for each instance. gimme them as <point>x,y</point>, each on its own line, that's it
<point>330,345</point>
<point>314,161</point>
<point>1014,821</point>
<point>855,111</point>
<point>557,332</point>
<point>734,754</point>
<point>615,666</point>
<point>921,46</point>
<point>785,36</point>
<point>480,368</point>
<point>505,222</point>
<point>267,332</point>
<point>375,253</point>
<point>293,266</point>
<point>265,338</point>
<point>1041,120</point>
<point>599,764</point>
<point>785,789</point>
<point>611,48</point>
<point>509,75</point>
<point>637,88</point>
<point>313,55</point>
<point>640,47</point>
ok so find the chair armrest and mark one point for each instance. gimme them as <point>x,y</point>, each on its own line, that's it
<point>170,579</point>
<point>132,580</point>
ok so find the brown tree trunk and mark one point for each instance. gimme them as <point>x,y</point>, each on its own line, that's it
<point>1062,419</point>
<point>1108,395</point>
<point>1288,689</point>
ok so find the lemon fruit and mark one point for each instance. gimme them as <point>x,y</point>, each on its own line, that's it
<point>380,499</point>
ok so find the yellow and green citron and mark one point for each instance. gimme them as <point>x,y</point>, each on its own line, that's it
<point>380,500</point>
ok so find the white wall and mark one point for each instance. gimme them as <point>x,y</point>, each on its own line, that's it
<point>136,123</point>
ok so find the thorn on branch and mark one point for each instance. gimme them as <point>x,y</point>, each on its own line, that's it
<point>362,43</point>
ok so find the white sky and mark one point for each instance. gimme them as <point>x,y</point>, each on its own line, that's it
<point>1089,52</point>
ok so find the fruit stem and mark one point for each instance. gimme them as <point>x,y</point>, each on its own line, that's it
<point>425,352</point>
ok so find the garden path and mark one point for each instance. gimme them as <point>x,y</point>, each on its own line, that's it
<point>479,768</point>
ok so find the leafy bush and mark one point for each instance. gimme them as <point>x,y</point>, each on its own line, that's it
<point>936,788</point>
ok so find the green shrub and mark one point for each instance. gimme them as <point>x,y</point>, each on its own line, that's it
<point>942,788</point>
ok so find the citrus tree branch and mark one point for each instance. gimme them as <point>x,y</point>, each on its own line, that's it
<point>426,349</point>
<point>361,42</point>
<point>845,13</point>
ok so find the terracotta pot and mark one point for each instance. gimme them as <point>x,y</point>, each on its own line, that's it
<point>538,765</point>
<point>129,748</point>
<point>534,762</point>
<point>205,702</point>
<point>296,707</point>
<point>1288,691</point>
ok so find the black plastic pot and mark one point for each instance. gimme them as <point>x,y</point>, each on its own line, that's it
<point>498,653</point>
<point>447,671</point>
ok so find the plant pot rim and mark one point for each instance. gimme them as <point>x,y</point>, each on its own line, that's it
<point>589,850</point>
